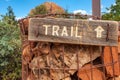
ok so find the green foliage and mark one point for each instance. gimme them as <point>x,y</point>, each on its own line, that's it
<point>9,17</point>
<point>10,56</point>
<point>41,9</point>
<point>114,12</point>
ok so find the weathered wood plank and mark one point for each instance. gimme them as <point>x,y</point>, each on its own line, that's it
<point>74,31</point>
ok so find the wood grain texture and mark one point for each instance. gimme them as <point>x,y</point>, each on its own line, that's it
<point>73,31</point>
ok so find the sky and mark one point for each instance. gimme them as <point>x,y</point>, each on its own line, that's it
<point>21,8</point>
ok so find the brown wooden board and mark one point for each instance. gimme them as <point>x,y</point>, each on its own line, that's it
<point>74,31</point>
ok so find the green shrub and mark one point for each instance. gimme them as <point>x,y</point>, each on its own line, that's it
<point>10,56</point>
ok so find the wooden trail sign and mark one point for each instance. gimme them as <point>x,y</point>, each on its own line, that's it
<point>74,31</point>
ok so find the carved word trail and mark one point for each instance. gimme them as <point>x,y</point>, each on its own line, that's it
<point>64,31</point>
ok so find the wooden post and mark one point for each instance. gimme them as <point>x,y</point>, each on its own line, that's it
<point>96,9</point>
